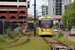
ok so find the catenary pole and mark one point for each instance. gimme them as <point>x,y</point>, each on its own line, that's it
<point>34,17</point>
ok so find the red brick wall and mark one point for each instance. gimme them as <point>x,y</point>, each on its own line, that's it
<point>8,16</point>
<point>5,15</point>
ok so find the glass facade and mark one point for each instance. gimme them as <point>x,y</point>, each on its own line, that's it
<point>58,7</point>
<point>29,19</point>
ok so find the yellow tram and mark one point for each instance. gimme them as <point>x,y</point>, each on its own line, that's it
<point>45,26</point>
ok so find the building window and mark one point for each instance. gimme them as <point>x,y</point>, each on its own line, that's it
<point>22,22</point>
<point>2,17</point>
<point>57,0</point>
<point>28,5</point>
<point>12,12</point>
<point>22,17</point>
<point>22,6</point>
<point>8,0</point>
<point>14,22</point>
<point>28,2</point>
<point>60,0</point>
<point>60,14</point>
<point>22,12</point>
<point>57,9</point>
<point>46,13</point>
<point>60,9</point>
<point>3,11</point>
<point>13,17</point>
<point>29,19</point>
<point>65,7</point>
<point>7,6</point>
<point>57,4</point>
<point>22,0</point>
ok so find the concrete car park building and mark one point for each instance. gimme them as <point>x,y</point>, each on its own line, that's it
<point>14,10</point>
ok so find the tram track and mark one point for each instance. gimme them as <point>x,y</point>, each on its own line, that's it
<point>14,40</point>
<point>58,45</point>
<point>27,40</point>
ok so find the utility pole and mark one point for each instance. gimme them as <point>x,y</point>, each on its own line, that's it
<point>34,17</point>
<point>59,26</point>
<point>23,19</point>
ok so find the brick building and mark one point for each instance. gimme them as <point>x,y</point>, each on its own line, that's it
<point>14,10</point>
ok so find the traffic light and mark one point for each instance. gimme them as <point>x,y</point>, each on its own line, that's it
<point>59,20</point>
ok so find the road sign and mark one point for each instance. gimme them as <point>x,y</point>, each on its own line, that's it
<point>3,21</point>
<point>3,26</point>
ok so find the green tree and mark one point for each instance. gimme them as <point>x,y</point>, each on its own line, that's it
<point>69,15</point>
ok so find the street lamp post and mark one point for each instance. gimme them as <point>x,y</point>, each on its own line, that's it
<point>23,19</point>
<point>59,23</point>
<point>67,29</point>
<point>34,17</point>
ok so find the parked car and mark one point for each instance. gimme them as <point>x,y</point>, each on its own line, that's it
<point>72,32</point>
<point>55,30</point>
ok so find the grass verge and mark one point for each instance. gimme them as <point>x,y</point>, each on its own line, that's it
<point>66,41</point>
<point>36,43</point>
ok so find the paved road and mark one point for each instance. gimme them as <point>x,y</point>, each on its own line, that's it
<point>65,34</point>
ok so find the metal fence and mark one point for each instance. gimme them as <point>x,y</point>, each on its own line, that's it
<point>7,24</point>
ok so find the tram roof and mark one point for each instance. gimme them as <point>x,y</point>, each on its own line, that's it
<point>45,17</point>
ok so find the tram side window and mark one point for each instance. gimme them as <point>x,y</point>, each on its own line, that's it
<point>39,23</point>
<point>51,23</point>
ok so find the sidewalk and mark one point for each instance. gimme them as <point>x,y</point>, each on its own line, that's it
<point>66,34</point>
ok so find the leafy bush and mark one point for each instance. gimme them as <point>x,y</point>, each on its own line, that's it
<point>8,31</point>
<point>1,40</point>
<point>60,34</point>
<point>5,36</point>
<point>17,33</point>
<point>11,34</point>
<point>20,30</point>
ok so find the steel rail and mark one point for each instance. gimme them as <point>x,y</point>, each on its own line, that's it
<point>28,39</point>
<point>57,46</point>
<point>13,41</point>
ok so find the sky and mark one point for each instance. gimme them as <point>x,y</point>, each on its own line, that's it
<point>39,3</point>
